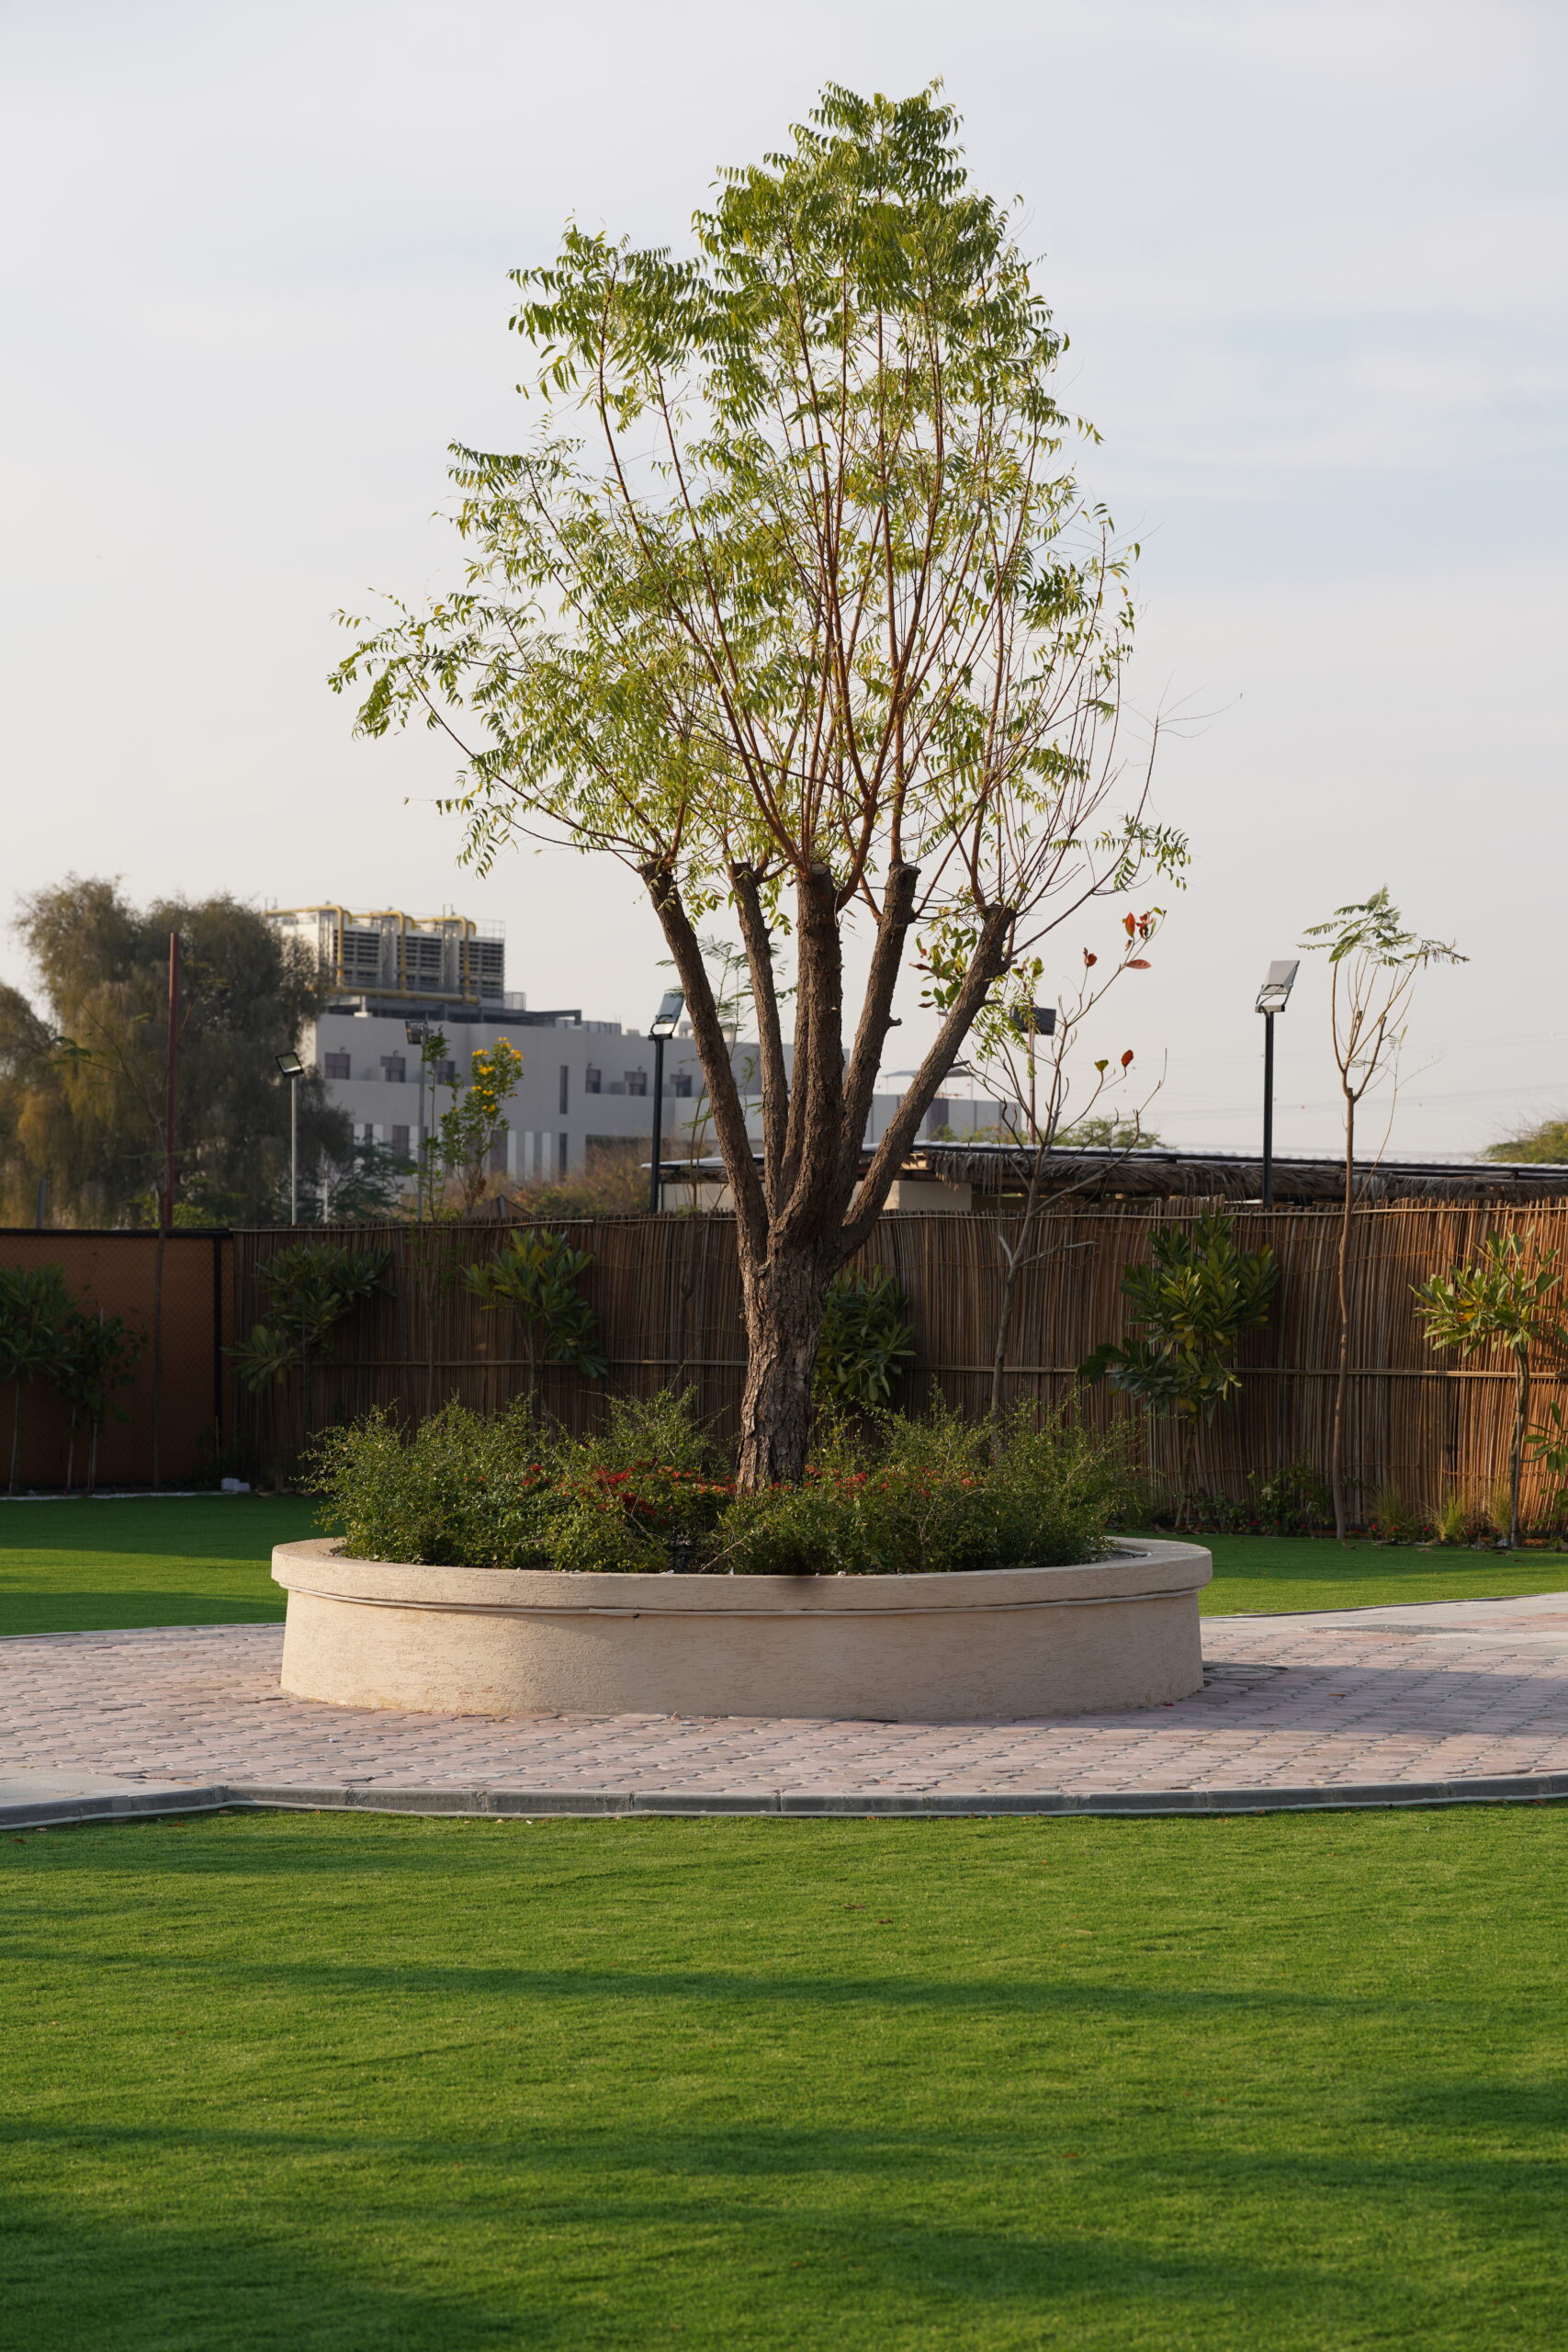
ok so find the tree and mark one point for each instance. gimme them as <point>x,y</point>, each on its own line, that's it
<point>97,1357</point>
<point>310,1286</point>
<point>1504,1299</point>
<point>794,606</point>
<point>468,1132</point>
<point>35,1309</point>
<point>1030,1067</point>
<point>1373,961</point>
<point>1194,1298</point>
<point>1547,1142</point>
<point>81,1083</point>
<point>535,1274</point>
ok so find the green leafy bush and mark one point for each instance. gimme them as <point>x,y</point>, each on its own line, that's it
<point>535,1274</point>
<point>651,1492</point>
<point>867,1339</point>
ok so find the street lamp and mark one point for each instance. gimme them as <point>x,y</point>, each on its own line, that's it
<point>293,1069</point>
<point>418,1033</point>
<point>1272,997</point>
<point>662,1026</point>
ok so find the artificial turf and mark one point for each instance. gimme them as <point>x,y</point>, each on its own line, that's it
<point>350,2085</point>
<point>144,1560</point>
<point>206,1559</point>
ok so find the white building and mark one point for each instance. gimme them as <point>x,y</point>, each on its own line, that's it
<point>585,1084</point>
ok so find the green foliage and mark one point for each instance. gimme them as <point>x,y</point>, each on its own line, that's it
<point>81,1080</point>
<point>866,1340</point>
<point>1193,1299</point>
<point>1547,1446</point>
<point>1547,1142</point>
<point>535,1274</point>
<point>310,1286</point>
<point>468,1131</point>
<point>1508,1298</point>
<point>1504,1298</point>
<point>511,1491</point>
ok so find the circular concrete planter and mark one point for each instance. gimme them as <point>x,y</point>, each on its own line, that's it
<point>996,1644</point>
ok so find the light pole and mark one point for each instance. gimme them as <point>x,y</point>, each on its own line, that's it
<point>1272,997</point>
<point>662,1026</point>
<point>293,1069</point>
<point>418,1033</point>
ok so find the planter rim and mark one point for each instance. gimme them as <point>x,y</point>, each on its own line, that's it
<point>1152,1569</point>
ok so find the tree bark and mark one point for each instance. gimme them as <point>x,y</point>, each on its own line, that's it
<point>1341,1378</point>
<point>808,1208</point>
<point>1517,1460</point>
<point>784,1303</point>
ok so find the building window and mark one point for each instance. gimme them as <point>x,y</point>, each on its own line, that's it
<point>394,1069</point>
<point>565,1084</point>
<point>445,1073</point>
<point>593,1081</point>
<point>368,1133</point>
<point>681,1084</point>
<point>637,1081</point>
<point>401,1142</point>
<point>560,1155</point>
<point>339,1066</point>
<point>498,1156</point>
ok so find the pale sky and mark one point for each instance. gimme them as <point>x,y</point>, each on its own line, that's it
<point>1310,256</point>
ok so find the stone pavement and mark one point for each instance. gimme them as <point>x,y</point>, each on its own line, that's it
<point>1454,1701</point>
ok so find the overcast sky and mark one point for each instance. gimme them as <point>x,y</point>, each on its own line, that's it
<point>1310,256</point>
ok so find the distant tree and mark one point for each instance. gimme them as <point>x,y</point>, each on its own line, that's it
<point>82,1075</point>
<point>1373,961</point>
<point>1546,1144</point>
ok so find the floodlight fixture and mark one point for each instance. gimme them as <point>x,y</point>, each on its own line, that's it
<point>291,1067</point>
<point>1272,997</point>
<point>671,1006</point>
<point>1275,993</point>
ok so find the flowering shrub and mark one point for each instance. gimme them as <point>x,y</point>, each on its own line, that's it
<point>651,1492</point>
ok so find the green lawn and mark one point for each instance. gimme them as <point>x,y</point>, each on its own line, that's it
<point>193,1560</point>
<point>328,2084</point>
<point>205,1560</point>
<point>1288,1572</point>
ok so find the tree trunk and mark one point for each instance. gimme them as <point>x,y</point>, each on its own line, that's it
<point>782,1302</point>
<point>1341,1378</point>
<point>1517,1459</point>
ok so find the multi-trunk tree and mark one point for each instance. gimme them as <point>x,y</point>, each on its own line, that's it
<point>795,604</point>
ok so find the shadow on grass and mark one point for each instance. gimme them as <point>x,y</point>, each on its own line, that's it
<point>75,2279</point>
<point>612,2214</point>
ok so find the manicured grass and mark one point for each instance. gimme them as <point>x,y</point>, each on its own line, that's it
<point>203,1560</point>
<point>192,1560</point>
<point>332,2084</point>
<point>1291,1572</point>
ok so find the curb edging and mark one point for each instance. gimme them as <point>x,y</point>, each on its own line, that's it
<point>159,1801</point>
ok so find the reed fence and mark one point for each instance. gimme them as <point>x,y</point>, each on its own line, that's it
<point>666,1292</point>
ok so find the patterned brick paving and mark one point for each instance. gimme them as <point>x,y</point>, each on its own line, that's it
<point>1400,1697</point>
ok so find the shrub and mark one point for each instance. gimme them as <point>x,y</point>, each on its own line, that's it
<point>866,1340</point>
<point>651,1492</point>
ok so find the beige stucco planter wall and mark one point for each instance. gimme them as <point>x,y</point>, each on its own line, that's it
<point>1002,1641</point>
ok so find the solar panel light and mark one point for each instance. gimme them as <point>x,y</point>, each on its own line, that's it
<point>1039,1018</point>
<point>670,1005</point>
<point>290,1066</point>
<point>1274,995</point>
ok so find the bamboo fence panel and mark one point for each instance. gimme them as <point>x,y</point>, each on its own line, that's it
<point>668,1295</point>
